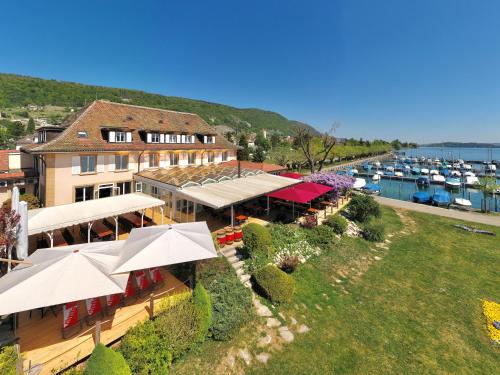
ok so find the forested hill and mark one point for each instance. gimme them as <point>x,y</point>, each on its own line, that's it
<point>18,91</point>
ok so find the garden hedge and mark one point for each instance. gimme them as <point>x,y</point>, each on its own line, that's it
<point>362,208</point>
<point>106,361</point>
<point>257,239</point>
<point>337,223</point>
<point>275,284</point>
<point>8,360</point>
<point>373,231</point>
<point>203,304</point>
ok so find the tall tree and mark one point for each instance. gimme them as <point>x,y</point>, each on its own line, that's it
<point>315,149</point>
<point>275,140</point>
<point>243,153</point>
<point>259,155</point>
<point>261,141</point>
<point>31,126</point>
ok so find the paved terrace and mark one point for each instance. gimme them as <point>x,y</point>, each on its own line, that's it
<point>444,212</point>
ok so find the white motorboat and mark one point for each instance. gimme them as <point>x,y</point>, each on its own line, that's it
<point>398,174</point>
<point>463,202</point>
<point>460,161</point>
<point>389,168</point>
<point>456,165</point>
<point>434,172</point>
<point>467,167</point>
<point>376,177</point>
<point>359,183</point>
<point>471,181</point>
<point>379,173</point>
<point>453,183</point>
<point>438,179</point>
<point>354,171</point>
<point>469,174</point>
<point>491,168</point>
<point>424,171</point>
<point>376,164</point>
<point>455,174</point>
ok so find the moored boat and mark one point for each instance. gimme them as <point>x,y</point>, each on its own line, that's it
<point>422,197</point>
<point>438,179</point>
<point>424,171</point>
<point>376,177</point>
<point>441,198</point>
<point>463,202</point>
<point>423,181</point>
<point>372,189</point>
<point>471,181</point>
<point>453,183</point>
<point>359,183</point>
<point>415,170</point>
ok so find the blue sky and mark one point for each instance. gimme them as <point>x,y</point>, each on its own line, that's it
<point>422,70</point>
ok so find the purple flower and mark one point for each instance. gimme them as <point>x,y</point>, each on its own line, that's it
<point>339,183</point>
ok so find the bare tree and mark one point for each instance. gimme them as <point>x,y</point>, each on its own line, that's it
<point>316,149</point>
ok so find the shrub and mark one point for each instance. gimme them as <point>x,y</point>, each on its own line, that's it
<point>337,223</point>
<point>257,239</point>
<point>8,360</point>
<point>179,327</point>
<point>289,263</point>
<point>145,351</point>
<point>362,208</point>
<point>275,284</point>
<point>203,304</point>
<point>106,361</point>
<point>373,231</point>
<point>31,200</point>
<point>231,301</point>
<point>321,236</point>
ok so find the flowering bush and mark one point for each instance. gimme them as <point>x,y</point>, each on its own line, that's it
<point>340,183</point>
<point>301,249</point>
<point>492,312</point>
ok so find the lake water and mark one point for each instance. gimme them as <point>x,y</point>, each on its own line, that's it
<point>453,153</point>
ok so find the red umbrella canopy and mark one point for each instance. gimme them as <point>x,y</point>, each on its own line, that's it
<point>293,195</point>
<point>295,175</point>
<point>314,187</point>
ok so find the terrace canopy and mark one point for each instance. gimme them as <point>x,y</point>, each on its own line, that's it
<point>301,193</point>
<point>48,219</point>
<point>294,175</point>
<point>166,244</point>
<point>58,275</point>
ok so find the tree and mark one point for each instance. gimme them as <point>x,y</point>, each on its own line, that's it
<point>258,155</point>
<point>243,153</point>
<point>31,126</point>
<point>315,149</point>
<point>261,141</point>
<point>8,229</point>
<point>275,140</point>
<point>488,185</point>
<point>280,155</point>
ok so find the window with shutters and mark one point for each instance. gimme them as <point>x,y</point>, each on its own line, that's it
<point>192,158</point>
<point>120,137</point>
<point>154,160</point>
<point>172,138</point>
<point>121,162</point>
<point>224,156</point>
<point>174,158</point>
<point>210,157</point>
<point>88,163</point>
<point>155,137</point>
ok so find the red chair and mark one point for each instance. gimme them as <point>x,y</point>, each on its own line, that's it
<point>142,281</point>
<point>113,301</point>
<point>156,277</point>
<point>94,310</point>
<point>70,319</point>
<point>130,291</point>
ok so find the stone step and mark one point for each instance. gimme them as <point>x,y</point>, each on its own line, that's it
<point>240,271</point>
<point>229,252</point>
<point>238,265</point>
<point>244,278</point>
<point>248,284</point>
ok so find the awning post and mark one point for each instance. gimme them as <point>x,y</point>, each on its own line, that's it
<point>51,237</point>
<point>89,227</point>
<point>232,215</point>
<point>142,218</point>
<point>268,205</point>
<point>116,227</point>
<point>161,210</point>
<point>194,211</point>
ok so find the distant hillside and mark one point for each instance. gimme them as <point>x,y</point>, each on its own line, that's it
<point>16,91</point>
<point>462,144</point>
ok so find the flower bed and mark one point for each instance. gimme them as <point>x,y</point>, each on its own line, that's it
<point>290,241</point>
<point>491,311</point>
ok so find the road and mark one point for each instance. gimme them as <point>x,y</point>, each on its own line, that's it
<point>452,214</point>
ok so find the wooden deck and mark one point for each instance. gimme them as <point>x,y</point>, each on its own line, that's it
<point>41,340</point>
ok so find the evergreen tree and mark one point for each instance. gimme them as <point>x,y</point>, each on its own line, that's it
<point>259,155</point>
<point>31,126</point>
<point>242,153</point>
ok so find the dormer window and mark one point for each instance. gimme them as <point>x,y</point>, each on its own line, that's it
<point>172,138</point>
<point>155,138</point>
<point>83,134</point>
<point>209,139</point>
<point>119,136</point>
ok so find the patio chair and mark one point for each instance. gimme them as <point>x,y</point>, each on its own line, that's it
<point>94,310</point>
<point>156,277</point>
<point>142,281</point>
<point>71,322</point>
<point>130,290</point>
<point>113,301</point>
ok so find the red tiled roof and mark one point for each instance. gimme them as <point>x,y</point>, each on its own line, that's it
<point>101,115</point>
<point>11,175</point>
<point>266,167</point>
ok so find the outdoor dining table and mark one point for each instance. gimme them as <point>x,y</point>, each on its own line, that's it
<point>101,230</point>
<point>241,218</point>
<point>134,219</point>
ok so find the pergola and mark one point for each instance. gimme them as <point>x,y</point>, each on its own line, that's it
<point>48,219</point>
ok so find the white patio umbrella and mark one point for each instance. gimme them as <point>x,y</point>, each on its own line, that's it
<point>62,274</point>
<point>22,231</point>
<point>14,200</point>
<point>166,244</point>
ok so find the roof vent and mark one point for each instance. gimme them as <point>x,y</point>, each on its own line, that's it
<point>129,118</point>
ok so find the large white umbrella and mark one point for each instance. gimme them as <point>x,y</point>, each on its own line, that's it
<point>166,244</point>
<point>62,274</point>
<point>14,200</point>
<point>22,231</point>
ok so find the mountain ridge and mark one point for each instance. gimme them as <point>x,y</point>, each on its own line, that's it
<point>19,90</point>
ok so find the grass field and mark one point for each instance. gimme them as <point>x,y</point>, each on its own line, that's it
<point>410,306</point>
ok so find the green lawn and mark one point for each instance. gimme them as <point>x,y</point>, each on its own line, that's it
<point>416,310</point>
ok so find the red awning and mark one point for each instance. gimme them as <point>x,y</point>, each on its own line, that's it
<point>295,175</point>
<point>300,195</point>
